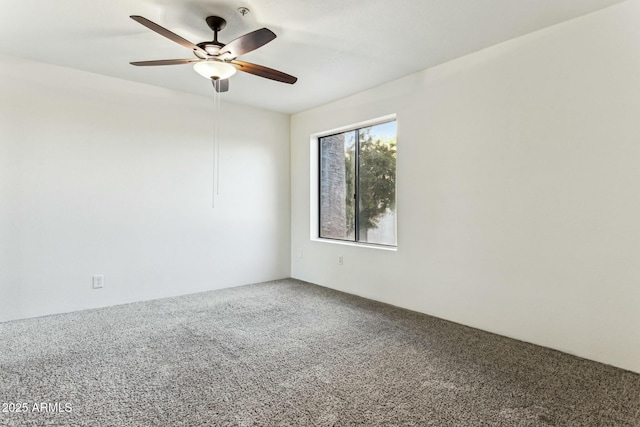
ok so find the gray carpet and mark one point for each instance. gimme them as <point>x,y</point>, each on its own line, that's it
<point>287,353</point>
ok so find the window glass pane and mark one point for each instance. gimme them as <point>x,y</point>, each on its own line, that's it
<point>337,186</point>
<point>377,184</point>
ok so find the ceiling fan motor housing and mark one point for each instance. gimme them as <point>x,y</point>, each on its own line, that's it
<point>212,48</point>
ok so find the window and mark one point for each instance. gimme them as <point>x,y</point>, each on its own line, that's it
<point>358,185</point>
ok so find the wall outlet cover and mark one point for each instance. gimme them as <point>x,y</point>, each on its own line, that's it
<point>98,281</point>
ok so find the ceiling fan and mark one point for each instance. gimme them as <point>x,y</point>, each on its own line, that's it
<point>215,60</point>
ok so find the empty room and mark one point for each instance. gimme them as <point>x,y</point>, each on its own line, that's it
<point>319,213</point>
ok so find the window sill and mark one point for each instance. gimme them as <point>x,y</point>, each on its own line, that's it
<point>356,244</point>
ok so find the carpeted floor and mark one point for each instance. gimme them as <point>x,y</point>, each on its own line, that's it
<point>287,353</point>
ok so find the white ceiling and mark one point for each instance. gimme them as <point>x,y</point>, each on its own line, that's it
<point>335,47</point>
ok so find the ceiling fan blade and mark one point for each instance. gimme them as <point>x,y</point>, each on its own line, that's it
<point>248,42</point>
<point>165,62</point>
<point>220,85</point>
<point>168,34</point>
<point>268,73</point>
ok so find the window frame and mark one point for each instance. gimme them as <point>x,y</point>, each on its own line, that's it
<point>353,128</point>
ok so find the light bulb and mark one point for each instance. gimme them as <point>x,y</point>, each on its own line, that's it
<point>214,69</point>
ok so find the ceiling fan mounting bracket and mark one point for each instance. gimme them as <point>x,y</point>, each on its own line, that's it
<point>216,23</point>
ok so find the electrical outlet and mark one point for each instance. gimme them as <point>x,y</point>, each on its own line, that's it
<point>98,281</point>
<point>340,260</point>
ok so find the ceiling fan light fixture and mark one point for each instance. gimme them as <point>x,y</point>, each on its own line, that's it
<point>214,69</point>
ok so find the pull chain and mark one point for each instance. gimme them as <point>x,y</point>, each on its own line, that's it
<point>219,120</point>
<point>216,148</point>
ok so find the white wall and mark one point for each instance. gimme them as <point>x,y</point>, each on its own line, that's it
<point>518,190</point>
<point>104,176</point>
